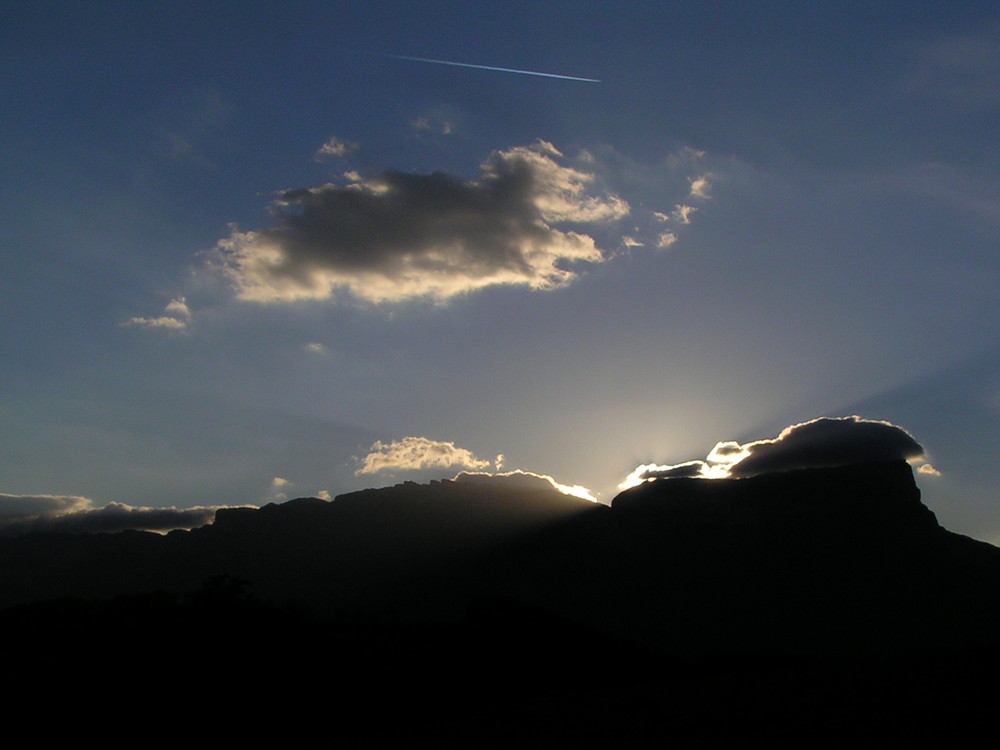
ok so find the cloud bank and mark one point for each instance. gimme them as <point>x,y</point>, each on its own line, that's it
<point>827,441</point>
<point>21,514</point>
<point>396,236</point>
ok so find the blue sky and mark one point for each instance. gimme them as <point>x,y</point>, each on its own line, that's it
<point>248,250</point>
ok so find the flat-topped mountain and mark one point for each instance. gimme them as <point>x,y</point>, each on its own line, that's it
<point>813,592</point>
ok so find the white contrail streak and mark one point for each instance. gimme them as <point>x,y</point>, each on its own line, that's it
<point>492,67</point>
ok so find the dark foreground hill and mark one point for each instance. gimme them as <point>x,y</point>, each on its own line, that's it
<point>823,601</point>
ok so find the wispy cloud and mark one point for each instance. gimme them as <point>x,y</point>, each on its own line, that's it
<point>316,348</point>
<point>176,317</point>
<point>335,147</point>
<point>961,70</point>
<point>433,124</point>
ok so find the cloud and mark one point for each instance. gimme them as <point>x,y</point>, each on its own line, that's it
<point>826,441</point>
<point>335,147</point>
<point>666,239</point>
<point>278,487</point>
<point>682,214</point>
<point>396,236</point>
<point>526,480</point>
<point>700,187</point>
<point>21,514</point>
<point>17,506</point>
<point>417,453</point>
<point>433,124</point>
<point>176,316</point>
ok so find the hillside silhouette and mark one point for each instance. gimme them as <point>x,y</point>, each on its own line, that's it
<point>833,590</point>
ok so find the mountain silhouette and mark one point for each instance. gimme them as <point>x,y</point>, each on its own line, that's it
<point>806,580</point>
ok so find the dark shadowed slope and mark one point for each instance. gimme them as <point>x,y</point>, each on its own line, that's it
<point>689,609</point>
<point>842,560</point>
<point>817,562</point>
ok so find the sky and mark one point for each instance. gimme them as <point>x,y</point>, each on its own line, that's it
<point>254,252</point>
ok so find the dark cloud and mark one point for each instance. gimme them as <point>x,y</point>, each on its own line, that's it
<point>19,506</point>
<point>828,441</point>
<point>398,235</point>
<point>21,514</point>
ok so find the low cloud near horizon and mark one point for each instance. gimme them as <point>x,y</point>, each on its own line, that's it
<point>22,514</point>
<point>420,453</point>
<point>415,454</point>
<point>826,441</point>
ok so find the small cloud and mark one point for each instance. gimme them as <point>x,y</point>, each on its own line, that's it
<point>335,147</point>
<point>527,480</point>
<point>498,462</point>
<point>665,240</point>
<point>397,236</point>
<point>314,347</point>
<point>629,242</point>
<point>278,487</point>
<point>324,495</point>
<point>417,453</point>
<point>433,124</point>
<point>700,187</point>
<point>176,317</point>
<point>682,214</point>
<point>928,470</point>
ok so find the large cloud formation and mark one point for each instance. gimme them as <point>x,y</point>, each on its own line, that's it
<point>21,514</point>
<point>397,236</point>
<point>827,441</point>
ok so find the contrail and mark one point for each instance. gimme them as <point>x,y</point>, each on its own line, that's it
<point>492,67</point>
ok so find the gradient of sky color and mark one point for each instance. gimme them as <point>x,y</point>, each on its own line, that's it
<point>249,252</point>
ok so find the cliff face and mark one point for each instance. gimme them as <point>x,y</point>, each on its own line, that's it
<point>842,560</point>
<point>872,498</point>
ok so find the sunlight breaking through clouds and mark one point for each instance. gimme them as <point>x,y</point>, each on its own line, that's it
<point>527,480</point>
<point>826,441</point>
